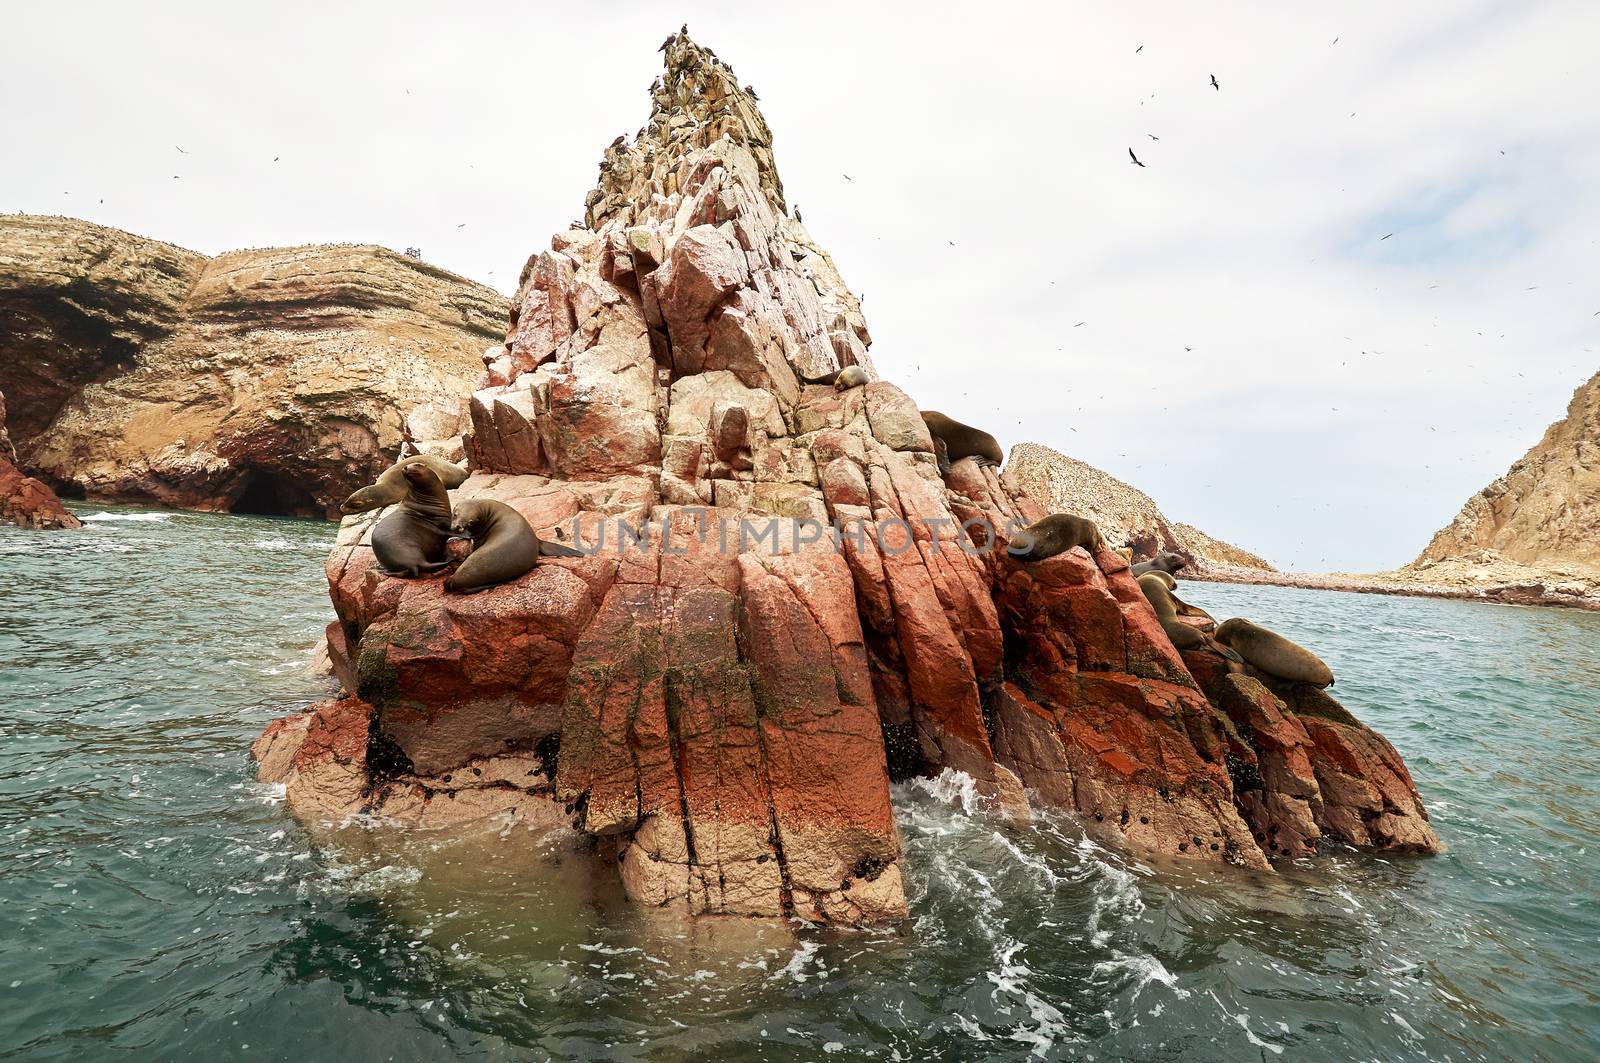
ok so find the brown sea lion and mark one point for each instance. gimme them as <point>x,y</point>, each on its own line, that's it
<point>1274,654</point>
<point>390,487</point>
<point>1181,635</point>
<point>1166,561</point>
<point>1183,607</point>
<point>504,546</point>
<point>410,540</point>
<point>851,376</point>
<point>1055,534</point>
<point>953,441</point>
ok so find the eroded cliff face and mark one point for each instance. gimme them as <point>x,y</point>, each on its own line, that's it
<point>787,606</point>
<point>272,381</point>
<point>1544,513</point>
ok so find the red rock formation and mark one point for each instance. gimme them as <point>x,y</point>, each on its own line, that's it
<point>24,501</point>
<point>790,606</point>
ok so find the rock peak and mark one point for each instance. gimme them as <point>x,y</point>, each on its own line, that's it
<point>696,102</point>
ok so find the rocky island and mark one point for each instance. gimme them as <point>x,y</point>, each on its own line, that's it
<point>723,712</point>
<point>259,381</point>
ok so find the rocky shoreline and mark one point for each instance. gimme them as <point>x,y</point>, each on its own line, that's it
<point>1489,580</point>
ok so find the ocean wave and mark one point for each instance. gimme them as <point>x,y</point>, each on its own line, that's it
<point>157,518</point>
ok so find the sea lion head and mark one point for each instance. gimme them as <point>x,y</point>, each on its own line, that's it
<point>468,517</point>
<point>369,497</point>
<point>851,376</point>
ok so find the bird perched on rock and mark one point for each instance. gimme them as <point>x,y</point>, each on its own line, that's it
<point>666,43</point>
<point>1134,157</point>
<point>797,216</point>
<point>620,141</point>
<point>750,91</point>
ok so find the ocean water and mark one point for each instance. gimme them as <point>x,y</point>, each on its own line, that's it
<point>157,903</point>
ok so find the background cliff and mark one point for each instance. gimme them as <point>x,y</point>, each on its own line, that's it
<point>1125,515</point>
<point>1545,511</point>
<point>268,381</point>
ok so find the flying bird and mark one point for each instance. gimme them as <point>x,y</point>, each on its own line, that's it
<point>463,225</point>
<point>1214,83</point>
<point>1381,239</point>
<point>1152,136</point>
<point>1134,157</point>
<point>182,152</point>
<point>1079,323</point>
<point>847,177</point>
<point>275,158</point>
<point>1139,49</point>
<point>1336,40</point>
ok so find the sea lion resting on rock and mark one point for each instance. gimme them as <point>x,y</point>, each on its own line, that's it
<point>391,486</point>
<point>851,376</point>
<point>953,441</point>
<point>1183,607</point>
<point>410,540</point>
<point>1183,636</point>
<point>504,546</point>
<point>1274,654</point>
<point>1166,561</point>
<point>1055,534</point>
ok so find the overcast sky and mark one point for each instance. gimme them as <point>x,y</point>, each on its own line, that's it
<point>1225,328</point>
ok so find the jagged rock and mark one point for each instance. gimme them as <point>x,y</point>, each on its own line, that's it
<point>1316,770</point>
<point>786,605</point>
<point>24,501</point>
<point>260,381</point>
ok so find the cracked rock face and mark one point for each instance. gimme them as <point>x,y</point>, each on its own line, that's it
<point>272,381</point>
<point>721,693</point>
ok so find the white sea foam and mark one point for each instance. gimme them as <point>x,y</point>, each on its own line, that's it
<point>155,518</point>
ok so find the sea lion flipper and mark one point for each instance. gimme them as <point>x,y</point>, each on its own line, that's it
<point>1229,654</point>
<point>550,549</point>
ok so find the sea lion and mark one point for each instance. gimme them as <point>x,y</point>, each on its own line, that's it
<point>504,546</point>
<point>1181,635</point>
<point>391,486</point>
<point>1166,561</point>
<point>1183,607</point>
<point>851,376</point>
<point>953,441</point>
<point>410,540</point>
<point>1274,654</point>
<point>1055,534</point>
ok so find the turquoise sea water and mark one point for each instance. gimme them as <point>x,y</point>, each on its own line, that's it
<point>157,903</point>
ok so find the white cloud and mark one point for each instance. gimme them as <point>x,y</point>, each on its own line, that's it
<point>1336,408</point>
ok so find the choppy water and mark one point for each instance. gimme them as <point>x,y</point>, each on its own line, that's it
<point>156,903</point>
